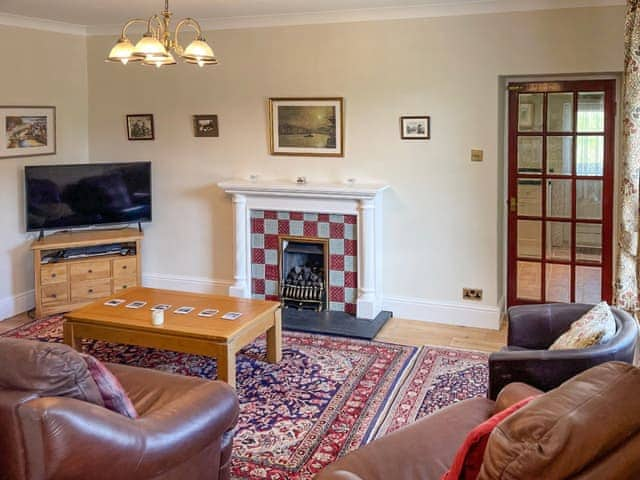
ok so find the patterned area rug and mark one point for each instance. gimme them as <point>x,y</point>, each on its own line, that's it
<point>325,398</point>
<point>440,377</point>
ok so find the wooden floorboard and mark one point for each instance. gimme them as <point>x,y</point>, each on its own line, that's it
<point>396,330</point>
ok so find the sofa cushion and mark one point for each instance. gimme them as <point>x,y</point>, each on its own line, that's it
<point>113,395</point>
<point>46,369</point>
<point>467,462</point>
<point>568,429</point>
<point>595,326</point>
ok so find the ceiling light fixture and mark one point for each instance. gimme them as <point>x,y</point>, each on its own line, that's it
<point>157,43</point>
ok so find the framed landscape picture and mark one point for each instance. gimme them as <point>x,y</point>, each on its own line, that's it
<point>205,125</point>
<point>27,131</point>
<point>140,127</point>
<point>306,127</point>
<point>415,128</point>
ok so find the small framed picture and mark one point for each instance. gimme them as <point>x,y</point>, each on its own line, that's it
<point>205,126</point>
<point>140,127</point>
<point>415,128</point>
<point>27,131</point>
<point>312,127</point>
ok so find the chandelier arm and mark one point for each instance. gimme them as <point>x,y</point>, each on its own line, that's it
<point>186,22</point>
<point>128,24</point>
<point>150,29</point>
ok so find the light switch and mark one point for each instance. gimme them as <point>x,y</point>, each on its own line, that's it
<point>476,155</point>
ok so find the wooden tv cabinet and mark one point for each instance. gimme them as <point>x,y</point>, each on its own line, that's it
<point>69,283</point>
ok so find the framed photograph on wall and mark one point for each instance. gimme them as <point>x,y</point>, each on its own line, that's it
<point>415,128</point>
<point>205,125</point>
<point>140,126</point>
<point>27,131</point>
<point>312,127</point>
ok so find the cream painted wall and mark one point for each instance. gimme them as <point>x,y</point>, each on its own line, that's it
<point>442,222</point>
<point>39,68</point>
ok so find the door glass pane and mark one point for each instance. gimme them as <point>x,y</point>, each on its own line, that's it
<point>530,198</point>
<point>590,155</point>
<point>529,280</point>
<point>559,154</point>
<point>559,198</point>
<point>588,242</point>
<point>530,155</point>
<point>558,280</point>
<point>530,112</point>
<point>591,112</point>
<point>560,112</point>
<point>529,238</point>
<point>589,199</point>
<point>558,241</point>
<point>588,284</point>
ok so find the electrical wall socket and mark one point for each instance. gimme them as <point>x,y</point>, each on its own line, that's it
<point>472,294</point>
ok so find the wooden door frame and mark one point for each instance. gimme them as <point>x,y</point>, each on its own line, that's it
<point>609,86</point>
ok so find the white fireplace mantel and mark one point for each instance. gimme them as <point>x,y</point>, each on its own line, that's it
<point>362,200</point>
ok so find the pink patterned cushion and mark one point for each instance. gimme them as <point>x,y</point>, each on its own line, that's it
<point>113,395</point>
<point>594,327</point>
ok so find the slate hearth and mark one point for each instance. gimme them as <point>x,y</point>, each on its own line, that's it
<point>333,323</point>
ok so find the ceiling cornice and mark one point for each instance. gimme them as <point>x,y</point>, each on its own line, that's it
<point>10,20</point>
<point>473,7</point>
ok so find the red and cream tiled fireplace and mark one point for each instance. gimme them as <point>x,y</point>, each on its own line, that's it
<point>312,246</point>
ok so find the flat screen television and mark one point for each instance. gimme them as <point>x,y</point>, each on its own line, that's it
<point>83,195</point>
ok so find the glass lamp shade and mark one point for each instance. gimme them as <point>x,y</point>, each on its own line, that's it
<point>199,52</point>
<point>122,52</point>
<point>159,60</point>
<point>148,45</point>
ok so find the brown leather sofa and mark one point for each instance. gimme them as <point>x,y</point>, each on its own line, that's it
<point>50,431</point>
<point>586,429</point>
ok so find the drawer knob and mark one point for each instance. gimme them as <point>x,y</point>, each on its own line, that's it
<point>124,286</point>
<point>53,295</point>
<point>53,275</point>
<point>90,271</point>
<point>124,267</point>
<point>91,290</point>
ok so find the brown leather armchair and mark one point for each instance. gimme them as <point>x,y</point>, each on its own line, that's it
<point>586,429</point>
<point>50,430</point>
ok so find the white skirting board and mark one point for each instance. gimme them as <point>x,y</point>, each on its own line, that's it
<point>410,308</point>
<point>189,284</point>
<point>460,314</point>
<point>11,306</point>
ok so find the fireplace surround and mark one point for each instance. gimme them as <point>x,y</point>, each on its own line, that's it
<point>362,202</point>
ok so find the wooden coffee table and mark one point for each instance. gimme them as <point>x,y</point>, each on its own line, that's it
<point>214,337</point>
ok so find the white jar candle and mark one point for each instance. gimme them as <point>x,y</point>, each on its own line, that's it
<point>157,317</point>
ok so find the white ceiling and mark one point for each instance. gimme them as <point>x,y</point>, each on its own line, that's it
<point>99,14</point>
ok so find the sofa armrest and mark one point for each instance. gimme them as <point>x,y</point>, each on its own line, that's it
<point>512,394</point>
<point>88,441</point>
<point>542,369</point>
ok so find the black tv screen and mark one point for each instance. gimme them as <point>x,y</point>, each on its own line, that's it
<point>66,196</point>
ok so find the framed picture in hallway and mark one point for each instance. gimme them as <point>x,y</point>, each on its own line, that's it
<point>27,131</point>
<point>205,125</point>
<point>312,127</point>
<point>415,128</point>
<point>140,127</point>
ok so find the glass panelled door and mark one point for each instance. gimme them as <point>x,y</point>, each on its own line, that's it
<point>561,149</point>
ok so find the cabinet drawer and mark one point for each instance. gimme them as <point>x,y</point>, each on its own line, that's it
<point>53,274</point>
<point>88,290</point>
<point>125,267</point>
<point>90,270</point>
<point>55,294</point>
<point>122,283</point>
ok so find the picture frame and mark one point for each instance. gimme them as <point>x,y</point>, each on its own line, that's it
<point>416,127</point>
<point>205,126</point>
<point>27,131</point>
<point>308,126</point>
<point>140,127</point>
